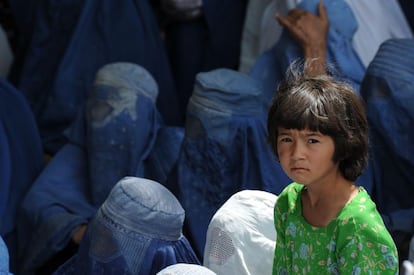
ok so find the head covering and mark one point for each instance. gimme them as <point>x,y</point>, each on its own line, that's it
<point>241,236</point>
<point>121,122</point>
<point>110,139</point>
<point>224,148</point>
<point>137,230</point>
<point>186,269</point>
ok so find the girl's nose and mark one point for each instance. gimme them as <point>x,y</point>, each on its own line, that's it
<point>297,150</point>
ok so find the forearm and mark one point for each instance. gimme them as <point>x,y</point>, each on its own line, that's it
<point>315,58</point>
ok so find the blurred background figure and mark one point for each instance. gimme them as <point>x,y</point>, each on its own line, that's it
<point>241,236</point>
<point>200,36</point>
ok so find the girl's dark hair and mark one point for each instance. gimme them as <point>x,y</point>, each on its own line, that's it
<point>324,104</point>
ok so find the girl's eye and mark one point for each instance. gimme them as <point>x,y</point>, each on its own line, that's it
<point>285,139</point>
<point>312,140</point>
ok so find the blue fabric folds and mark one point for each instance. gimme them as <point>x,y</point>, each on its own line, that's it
<point>271,66</point>
<point>81,37</point>
<point>210,42</point>
<point>225,148</point>
<point>389,94</point>
<point>137,230</point>
<point>113,137</point>
<point>21,159</point>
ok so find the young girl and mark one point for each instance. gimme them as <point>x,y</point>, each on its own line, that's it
<point>325,223</point>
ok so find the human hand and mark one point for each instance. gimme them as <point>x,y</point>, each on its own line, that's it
<point>78,234</point>
<point>310,31</point>
<point>307,29</point>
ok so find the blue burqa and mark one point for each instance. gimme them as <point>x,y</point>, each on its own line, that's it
<point>389,95</point>
<point>137,230</point>
<point>112,138</point>
<point>225,148</point>
<point>21,159</point>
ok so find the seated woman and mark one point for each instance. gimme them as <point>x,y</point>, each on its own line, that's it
<point>241,237</point>
<point>113,138</point>
<point>21,161</point>
<point>137,230</point>
<point>224,149</point>
<point>388,93</point>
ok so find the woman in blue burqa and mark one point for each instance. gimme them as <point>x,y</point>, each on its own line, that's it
<point>114,137</point>
<point>224,149</point>
<point>21,160</point>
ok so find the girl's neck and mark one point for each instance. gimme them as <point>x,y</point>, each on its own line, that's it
<point>321,205</point>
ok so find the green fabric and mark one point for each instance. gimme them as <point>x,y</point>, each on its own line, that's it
<point>356,242</point>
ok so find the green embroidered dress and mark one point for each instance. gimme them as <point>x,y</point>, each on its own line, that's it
<point>356,242</point>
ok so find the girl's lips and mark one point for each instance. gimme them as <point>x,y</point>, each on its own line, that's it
<point>296,169</point>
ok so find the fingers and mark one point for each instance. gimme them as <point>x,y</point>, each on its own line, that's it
<point>291,23</point>
<point>292,17</point>
<point>322,10</point>
<point>296,14</point>
<point>282,20</point>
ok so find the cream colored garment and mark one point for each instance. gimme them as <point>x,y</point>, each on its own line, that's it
<point>270,29</point>
<point>378,20</point>
<point>241,236</point>
<point>261,30</point>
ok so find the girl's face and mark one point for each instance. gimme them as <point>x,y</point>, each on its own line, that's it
<point>306,156</point>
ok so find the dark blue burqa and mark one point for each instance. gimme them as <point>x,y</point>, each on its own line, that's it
<point>389,94</point>
<point>21,159</point>
<point>137,230</point>
<point>112,138</point>
<point>225,148</point>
